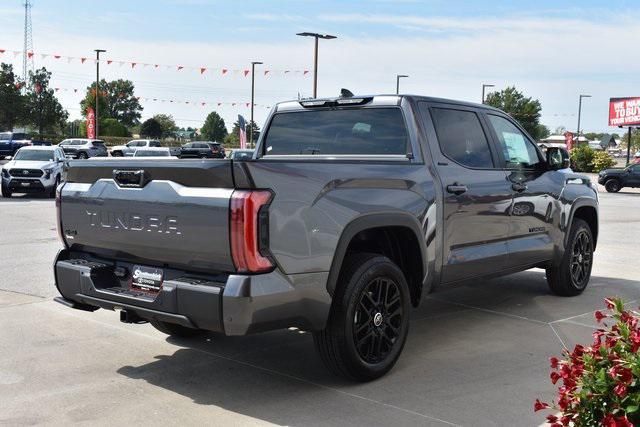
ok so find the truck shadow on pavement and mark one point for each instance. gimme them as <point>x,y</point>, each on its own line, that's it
<point>470,346</point>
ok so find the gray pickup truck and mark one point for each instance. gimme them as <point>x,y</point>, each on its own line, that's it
<point>349,212</point>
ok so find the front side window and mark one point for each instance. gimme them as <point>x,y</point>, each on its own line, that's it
<point>518,151</point>
<point>373,131</point>
<point>462,138</point>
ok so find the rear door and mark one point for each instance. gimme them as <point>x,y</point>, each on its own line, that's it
<point>535,190</point>
<point>477,195</point>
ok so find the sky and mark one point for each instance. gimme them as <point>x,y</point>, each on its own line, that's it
<point>550,50</point>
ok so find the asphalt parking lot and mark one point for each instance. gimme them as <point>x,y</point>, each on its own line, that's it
<point>476,354</point>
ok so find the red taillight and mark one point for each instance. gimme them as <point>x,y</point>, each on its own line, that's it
<point>249,230</point>
<point>59,216</point>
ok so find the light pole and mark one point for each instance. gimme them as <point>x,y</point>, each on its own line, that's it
<point>579,114</point>
<point>316,36</point>
<point>253,86</point>
<point>484,86</point>
<point>98,51</point>
<point>398,77</point>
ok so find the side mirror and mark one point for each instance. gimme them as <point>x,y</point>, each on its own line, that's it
<point>557,158</point>
<point>8,157</point>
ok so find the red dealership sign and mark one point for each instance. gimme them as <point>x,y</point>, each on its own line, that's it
<point>91,123</point>
<point>624,111</point>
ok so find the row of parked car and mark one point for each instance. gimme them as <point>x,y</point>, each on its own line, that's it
<point>39,168</point>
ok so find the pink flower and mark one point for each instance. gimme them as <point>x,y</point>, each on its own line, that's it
<point>538,406</point>
<point>600,315</point>
<point>620,390</point>
<point>554,362</point>
<point>610,303</point>
<point>554,377</point>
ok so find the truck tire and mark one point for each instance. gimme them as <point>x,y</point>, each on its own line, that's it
<point>5,191</point>
<point>52,192</point>
<point>571,276</point>
<point>175,330</point>
<point>612,186</point>
<point>369,319</point>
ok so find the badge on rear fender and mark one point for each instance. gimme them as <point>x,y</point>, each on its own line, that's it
<point>147,279</point>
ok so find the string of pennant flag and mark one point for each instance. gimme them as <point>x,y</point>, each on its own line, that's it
<point>201,103</point>
<point>203,69</point>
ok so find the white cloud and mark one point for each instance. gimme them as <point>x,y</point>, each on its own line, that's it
<point>551,59</point>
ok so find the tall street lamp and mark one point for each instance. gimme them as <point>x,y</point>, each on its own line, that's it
<point>484,86</point>
<point>98,51</point>
<point>579,114</point>
<point>253,86</point>
<point>316,36</point>
<point>398,77</point>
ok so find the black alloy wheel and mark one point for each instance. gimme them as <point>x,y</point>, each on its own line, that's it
<point>581,256</point>
<point>377,320</point>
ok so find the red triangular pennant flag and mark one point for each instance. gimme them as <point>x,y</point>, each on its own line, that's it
<point>247,104</point>
<point>202,70</point>
<point>30,54</point>
<point>266,72</point>
<point>133,64</point>
<point>286,71</point>
<point>156,66</point>
<point>233,104</point>
<point>38,88</point>
<point>56,56</point>
<point>219,104</point>
<point>75,90</point>
<point>18,85</point>
<point>203,103</point>
<point>57,89</point>
<point>2,51</point>
<point>246,72</point>
<point>224,71</point>
<point>305,72</point>
<point>82,60</point>
<point>180,67</point>
<point>109,61</point>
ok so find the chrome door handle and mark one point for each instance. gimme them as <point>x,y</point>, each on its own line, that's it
<point>457,189</point>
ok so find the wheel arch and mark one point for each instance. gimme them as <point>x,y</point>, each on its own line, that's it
<point>587,210</point>
<point>397,235</point>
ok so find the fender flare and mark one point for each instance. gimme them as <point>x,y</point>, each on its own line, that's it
<point>581,202</point>
<point>375,220</point>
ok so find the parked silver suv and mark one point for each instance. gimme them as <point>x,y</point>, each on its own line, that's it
<point>82,148</point>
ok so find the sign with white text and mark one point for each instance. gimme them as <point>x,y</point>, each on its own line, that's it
<point>624,111</point>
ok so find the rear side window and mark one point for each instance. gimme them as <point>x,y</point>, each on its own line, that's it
<point>462,138</point>
<point>376,131</point>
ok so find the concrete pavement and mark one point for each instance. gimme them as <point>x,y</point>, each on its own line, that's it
<point>477,354</point>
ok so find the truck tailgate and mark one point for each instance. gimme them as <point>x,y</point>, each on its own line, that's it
<point>167,213</point>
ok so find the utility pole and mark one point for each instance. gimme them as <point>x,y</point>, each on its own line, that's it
<point>253,86</point>
<point>398,77</point>
<point>27,61</point>
<point>484,86</point>
<point>579,113</point>
<point>629,148</point>
<point>315,56</point>
<point>97,85</point>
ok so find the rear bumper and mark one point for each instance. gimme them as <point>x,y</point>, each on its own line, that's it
<point>232,304</point>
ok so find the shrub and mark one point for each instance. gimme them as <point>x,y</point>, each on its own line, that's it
<point>600,383</point>
<point>112,127</point>
<point>581,158</point>
<point>601,160</point>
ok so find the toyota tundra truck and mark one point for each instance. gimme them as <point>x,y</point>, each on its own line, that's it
<point>349,212</point>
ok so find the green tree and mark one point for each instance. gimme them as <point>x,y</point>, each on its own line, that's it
<point>214,128</point>
<point>233,139</point>
<point>167,124</point>
<point>12,102</point>
<point>542,131</point>
<point>116,100</point>
<point>525,110</point>
<point>151,128</point>
<point>43,108</point>
<point>112,127</point>
<point>635,141</point>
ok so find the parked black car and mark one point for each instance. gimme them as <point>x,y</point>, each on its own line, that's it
<point>617,178</point>
<point>203,149</point>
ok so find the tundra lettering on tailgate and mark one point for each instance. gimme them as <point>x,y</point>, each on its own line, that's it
<point>134,221</point>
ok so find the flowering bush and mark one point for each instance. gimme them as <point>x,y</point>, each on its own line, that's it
<point>600,383</point>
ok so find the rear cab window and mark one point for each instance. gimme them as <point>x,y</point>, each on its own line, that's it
<point>462,138</point>
<point>362,131</point>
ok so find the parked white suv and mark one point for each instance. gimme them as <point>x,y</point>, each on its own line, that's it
<point>132,146</point>
<point>34,170</point>
<point>83,148</point>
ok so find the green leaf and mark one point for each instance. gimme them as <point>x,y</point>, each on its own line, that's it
<point>631,409</point>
